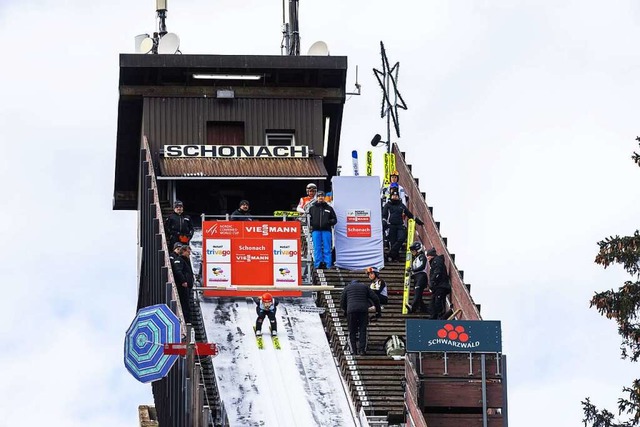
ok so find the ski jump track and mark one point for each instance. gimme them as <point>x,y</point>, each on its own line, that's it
<point>298,385</point>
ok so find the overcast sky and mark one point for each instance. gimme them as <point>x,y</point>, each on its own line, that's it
<point>520,127</point>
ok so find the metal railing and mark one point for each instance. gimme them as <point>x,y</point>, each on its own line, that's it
<point>157,286</point>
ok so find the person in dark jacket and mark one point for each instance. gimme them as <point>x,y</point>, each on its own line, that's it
<point>179,225</point>
<point>266,306</point>
<point>439,283</point>
<point>355,302</point>
<point>418,271</point>
<point>242,213</point>
<point>392,219</point>
<point>378,286</point>
<point>322,218</point>
<point>183,275</point>
<point>177,247</point>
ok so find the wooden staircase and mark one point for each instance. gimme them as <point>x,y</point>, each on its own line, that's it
<point>376,381</point>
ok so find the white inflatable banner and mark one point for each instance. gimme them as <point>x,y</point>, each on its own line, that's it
<point>358,233</point>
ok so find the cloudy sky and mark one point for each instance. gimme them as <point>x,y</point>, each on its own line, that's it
<point>520,126</point>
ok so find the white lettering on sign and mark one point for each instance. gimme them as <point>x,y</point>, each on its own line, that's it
<point>236,151</point>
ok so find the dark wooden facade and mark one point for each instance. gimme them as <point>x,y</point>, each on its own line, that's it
<point>162,100</point>
<point>447,389</point>
<point>184,120</point>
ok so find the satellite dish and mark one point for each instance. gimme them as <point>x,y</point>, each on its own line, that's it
<point>376,139</point>
<point>319,48</point>
<point>144,43</point>
<point>169,44</point>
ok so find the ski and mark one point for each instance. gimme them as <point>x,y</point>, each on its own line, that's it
<point>259,340</point>
<point>369,163</point>
<point>411,230</point>
<point>275,340</point>
<point>354,161</point>
<point>387,164</point>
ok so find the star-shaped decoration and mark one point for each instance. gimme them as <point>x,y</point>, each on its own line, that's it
<point>388,81</point>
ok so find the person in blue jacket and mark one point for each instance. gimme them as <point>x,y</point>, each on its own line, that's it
<point>266,306</point>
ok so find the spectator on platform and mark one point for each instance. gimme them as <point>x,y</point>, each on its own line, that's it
<point>418,271</point>
<point>179,225</point>
<point>392,218</point>
<point>183,275</point>
<point>266,306</point>
<point>385,194</point>
<point>322,218</point>
<point>439,283</point>
<point>378,286</point>
<point>355,303</point>
<point>242,213</point>
<point>304,203</point>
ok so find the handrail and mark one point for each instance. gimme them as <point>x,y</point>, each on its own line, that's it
<point>430,233</point>
<point>163,236</point>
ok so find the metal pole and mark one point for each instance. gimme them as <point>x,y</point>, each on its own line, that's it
<point>484,390</point>
<point>505,413</point>
<point>386,85</point>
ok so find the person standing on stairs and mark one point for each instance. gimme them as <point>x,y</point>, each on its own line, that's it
<point>418,271</point>
<point>183,275</point>
<point>179,226</point>
<point>355,303</point>
<point>322,218</point>
<point>393,220</point>
<point>378,286</point>
<point>439,283</point>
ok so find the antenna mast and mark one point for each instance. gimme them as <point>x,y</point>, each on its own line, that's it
<point>290,30</point>
<point>162,41</point>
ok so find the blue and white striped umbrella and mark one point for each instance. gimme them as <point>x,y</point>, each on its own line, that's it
<point>152,327</point>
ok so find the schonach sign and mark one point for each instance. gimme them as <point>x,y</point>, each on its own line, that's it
<point>466,336</point>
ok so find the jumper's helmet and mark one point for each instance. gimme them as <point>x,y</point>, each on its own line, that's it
<point>267,297</point>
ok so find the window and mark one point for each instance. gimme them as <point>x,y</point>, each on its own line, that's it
<point>225,133</point>
<point>280,138</point>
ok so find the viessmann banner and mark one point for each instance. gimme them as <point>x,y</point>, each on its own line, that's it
<point>468,336</point>
<point>250,253</point>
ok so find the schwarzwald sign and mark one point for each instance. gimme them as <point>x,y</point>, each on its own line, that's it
<point>466,336</point>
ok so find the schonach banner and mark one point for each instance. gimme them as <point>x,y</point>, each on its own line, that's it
<point>467,336</point>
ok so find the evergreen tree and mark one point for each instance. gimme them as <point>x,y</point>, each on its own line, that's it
<point>622,306</point>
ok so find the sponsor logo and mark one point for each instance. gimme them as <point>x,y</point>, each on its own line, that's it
<point>241,151</point>
<point>250,258</point>
<point>265,229</point>
<point>218,251</point>
<point>217,271</point>
<point>285,252</point>
<point>358,230</point>
<point>221,229</point>
<point>284,271</point>
<point>453,336</point>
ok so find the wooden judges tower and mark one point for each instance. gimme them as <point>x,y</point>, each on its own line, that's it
<point>275,121</point>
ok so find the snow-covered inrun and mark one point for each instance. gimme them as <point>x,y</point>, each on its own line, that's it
<point>298,385</point>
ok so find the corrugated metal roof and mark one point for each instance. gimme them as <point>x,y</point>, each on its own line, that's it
<point>308,168</point>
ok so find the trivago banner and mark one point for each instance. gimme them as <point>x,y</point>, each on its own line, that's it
<point>468,336</point>
<point>250,253</point>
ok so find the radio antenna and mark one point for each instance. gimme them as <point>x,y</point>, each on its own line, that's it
<point>290,30</point>
<point>162,41</point>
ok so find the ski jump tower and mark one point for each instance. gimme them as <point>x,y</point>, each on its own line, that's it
<point>173,107</point>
